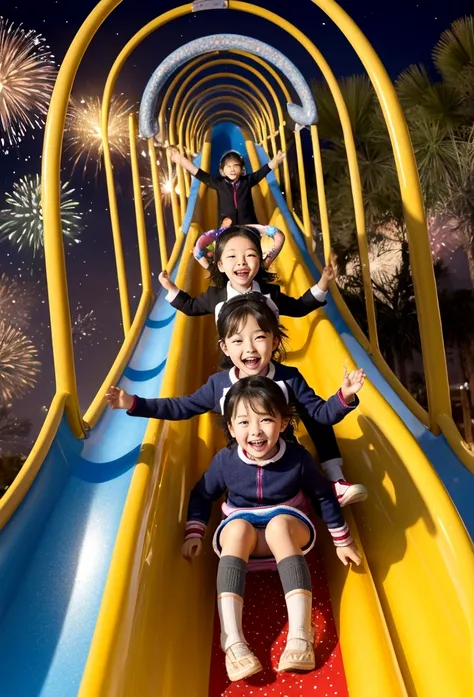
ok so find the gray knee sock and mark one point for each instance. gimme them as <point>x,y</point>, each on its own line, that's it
<point>231,575</point>
<point>294,574</point>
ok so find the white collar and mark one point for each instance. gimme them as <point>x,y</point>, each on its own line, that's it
<point>262,463</point>
<point>271,373</point>
<point>232,293</point>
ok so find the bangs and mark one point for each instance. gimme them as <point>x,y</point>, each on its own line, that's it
<point>238,319</point>
<point>260,404</point>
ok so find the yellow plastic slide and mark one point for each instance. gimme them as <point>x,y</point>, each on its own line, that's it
<point>404,619</point>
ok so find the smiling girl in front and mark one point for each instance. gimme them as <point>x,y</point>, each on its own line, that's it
<point>266,480</point>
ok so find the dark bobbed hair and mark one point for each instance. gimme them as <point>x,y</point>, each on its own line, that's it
<point>218,277</point>
<point>234,314</point>
<point>262,395</point>
<point>232,155</point>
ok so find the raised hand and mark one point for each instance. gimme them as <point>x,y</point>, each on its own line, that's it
<point>352,383</point>
<point>118,399</point>
<point>350,553</point>
<point>277,160</point>
<point>166,282</point>
<point>175,155</point>
<point>327,275</point>
<point>191,548</point>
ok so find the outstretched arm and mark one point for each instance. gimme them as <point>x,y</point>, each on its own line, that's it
<point>178,159</point>
<point>337,407</point>
<point>182,301</point>
<point>170,408</point>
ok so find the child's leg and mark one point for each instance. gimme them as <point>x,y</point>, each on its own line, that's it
<point>286,536</point>
<point>238,540</point>
<point>325,442</point>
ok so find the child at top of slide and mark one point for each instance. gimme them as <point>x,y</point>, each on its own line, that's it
<point>233,186</point>
<point>238,267</point>
<point>251,337</point>
<point>267,481</point>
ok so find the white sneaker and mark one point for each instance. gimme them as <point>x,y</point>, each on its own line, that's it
<point>348,493</point>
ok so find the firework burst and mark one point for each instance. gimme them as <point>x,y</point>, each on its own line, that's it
<point>84,132</point>
<point>22,222</point>
<point>19,367</point>
<point>27,74</point>
<point>166,185</point>
<point>16,302</point>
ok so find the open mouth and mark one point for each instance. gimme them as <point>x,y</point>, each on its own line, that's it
<point>243,274</point>
<point>251,363</point>
<point>258,445</point>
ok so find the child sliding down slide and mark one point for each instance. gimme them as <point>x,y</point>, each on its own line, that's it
<point>233,186</point>
<point>266,480</point>
<point>238,267</point>
<point>251,338</point>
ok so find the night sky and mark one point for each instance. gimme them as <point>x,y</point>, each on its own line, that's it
<point>402,33</point>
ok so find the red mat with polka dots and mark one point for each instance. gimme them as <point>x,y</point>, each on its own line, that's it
<point>265,627</point>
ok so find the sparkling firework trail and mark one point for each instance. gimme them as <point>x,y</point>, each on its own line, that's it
<point>11,427</point>
<point>444,237</point>
<point>84,326</point>
<point>22,222</point>
<point>27,74</point>
<point>16,302</point>
<point>19,367</point>
<point>84,132</point>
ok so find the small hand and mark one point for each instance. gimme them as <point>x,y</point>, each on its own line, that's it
<point>118,399</point>
<point>166,282</point>
<point>191,548</point>
<point>277,160</point>
<point>349,553</point>
<point>175,155</point>
<point>327,275</point>
<point>352,383</point>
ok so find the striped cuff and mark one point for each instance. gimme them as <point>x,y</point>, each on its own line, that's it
<point>343,401</point>
<point>132,408</point>
<point>194,528</point>
<point>341,536</point>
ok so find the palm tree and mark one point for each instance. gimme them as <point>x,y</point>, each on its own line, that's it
<point>453,56</point>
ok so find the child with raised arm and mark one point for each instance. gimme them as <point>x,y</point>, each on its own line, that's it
<point>267,481</point>
<point>252,339</point>
<point>233,185</point>
<point>238,267</point>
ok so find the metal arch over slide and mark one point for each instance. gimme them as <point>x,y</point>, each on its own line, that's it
<point>304,115</point>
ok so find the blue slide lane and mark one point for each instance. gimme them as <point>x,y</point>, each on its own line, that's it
<point>457,479</point>
<point>56,549</point>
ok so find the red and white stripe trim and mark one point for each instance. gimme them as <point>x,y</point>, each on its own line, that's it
<point>194,528</point>
<point>341,536</point>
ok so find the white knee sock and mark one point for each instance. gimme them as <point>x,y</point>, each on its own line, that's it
<point>332,469</point>
<point>230,608</point>
<point>298,603</point>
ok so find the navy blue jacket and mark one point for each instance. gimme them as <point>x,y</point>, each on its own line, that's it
<point>228,193</point>
<point>252,485</point>
<point>316,414</point>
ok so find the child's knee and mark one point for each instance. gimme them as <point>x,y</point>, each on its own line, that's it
<point>279,526</point>
<point>238,530</point>
<point>285,528</point>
